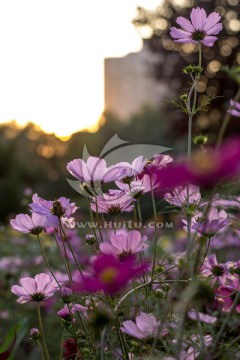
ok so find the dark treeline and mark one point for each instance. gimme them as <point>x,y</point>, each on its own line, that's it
<point>32,159</point>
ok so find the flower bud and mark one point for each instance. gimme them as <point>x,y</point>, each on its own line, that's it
<point>166,287</point>
<point>66,295</point>
<point>200,140</point>
<point>90,239</point>
<point>34,333</point>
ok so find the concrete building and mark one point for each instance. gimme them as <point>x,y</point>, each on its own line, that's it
<point>129,84</point>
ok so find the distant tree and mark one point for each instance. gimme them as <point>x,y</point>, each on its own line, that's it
<point>174,56</point>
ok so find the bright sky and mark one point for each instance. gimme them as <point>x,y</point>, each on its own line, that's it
<point>51,63</point>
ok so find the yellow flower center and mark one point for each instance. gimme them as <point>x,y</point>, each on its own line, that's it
<point>108,275</point>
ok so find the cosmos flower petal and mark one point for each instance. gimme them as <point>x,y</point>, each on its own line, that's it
<point>19,290</point>
<point>42,281</point>
<point>131,328</point>
<point>198,17</point>
<point>179,33</point>
<point>209,40</point>
<point>185,24</point>
<point>211,21</point>
<point>235,104</point>
<point>29,285</point>
<point>96,168</point>
<point>147,324</point>
<point>108,249</point>
<point>215,29</point>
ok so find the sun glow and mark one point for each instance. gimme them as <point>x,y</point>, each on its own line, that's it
<point>51,67</point>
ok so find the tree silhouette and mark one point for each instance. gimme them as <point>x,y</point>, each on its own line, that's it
<point>175,56</point>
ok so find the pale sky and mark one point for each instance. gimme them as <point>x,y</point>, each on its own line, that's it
<point>52,53</point>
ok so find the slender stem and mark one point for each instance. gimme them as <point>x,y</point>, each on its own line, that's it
<point>226,121</point>
<point>71,249</point>
<point>139,211</point>
<point>86,331</point>
<point>61,347</point>
<point>42,331</point>
<point>129,293</point>
<point>199,54</point>
<point>46,260</point>
<point>40,346</point>
<point>103,341</point>
<point>121,338</point>
<point>155,229</point>
<point>92,220</point>
<point>64,256</point>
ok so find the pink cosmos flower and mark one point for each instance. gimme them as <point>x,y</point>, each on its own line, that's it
<point>214,270</point>
<point>145,327</point>
<point>109,274</point>
<point>202,28</point>
<point>53,210</point>
<point>181,195</point>
<point>113,203</point>
<point>38,289</point>
<point>132,170</point>
<point>194,315</point>
<point>235,110</point>
<point>215,221</point>
<point>34,224</point>
<point>93,173</point>
<point>134,189</point>
<point>68,311</point>
<point>227,293</point>
<point>205,168</point>
<point>124,244</point>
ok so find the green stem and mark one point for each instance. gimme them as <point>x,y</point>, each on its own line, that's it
<point>155,229</point>
<point>199,54</point>
<point>226,121</point>
<point>121,338</point>
<point>71,249</point>
<point>40,346</point>
<point>103,335</point>
<point>92,220</point>
<point>47,262</point>
<point>64,257</point>
<point>42,331</point>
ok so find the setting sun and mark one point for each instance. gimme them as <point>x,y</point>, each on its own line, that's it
<point>52,59</point>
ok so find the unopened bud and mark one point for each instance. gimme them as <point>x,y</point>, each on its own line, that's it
<point>34,333</point>
<point>90,239</point>
<point>166,287</point>
<point>66,295</point>
<point>200,140</point>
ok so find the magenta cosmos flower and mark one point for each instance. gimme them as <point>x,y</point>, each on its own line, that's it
<point>235,108</point>
<point>145,327</point>
<point>109,274</point>
<point>202,28</point>
<point>53,210</point>
<point>205,168</point>
<point>38,289</point>
<point>124,244</point>
<point>113,203</point>
<point>34,224</point>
